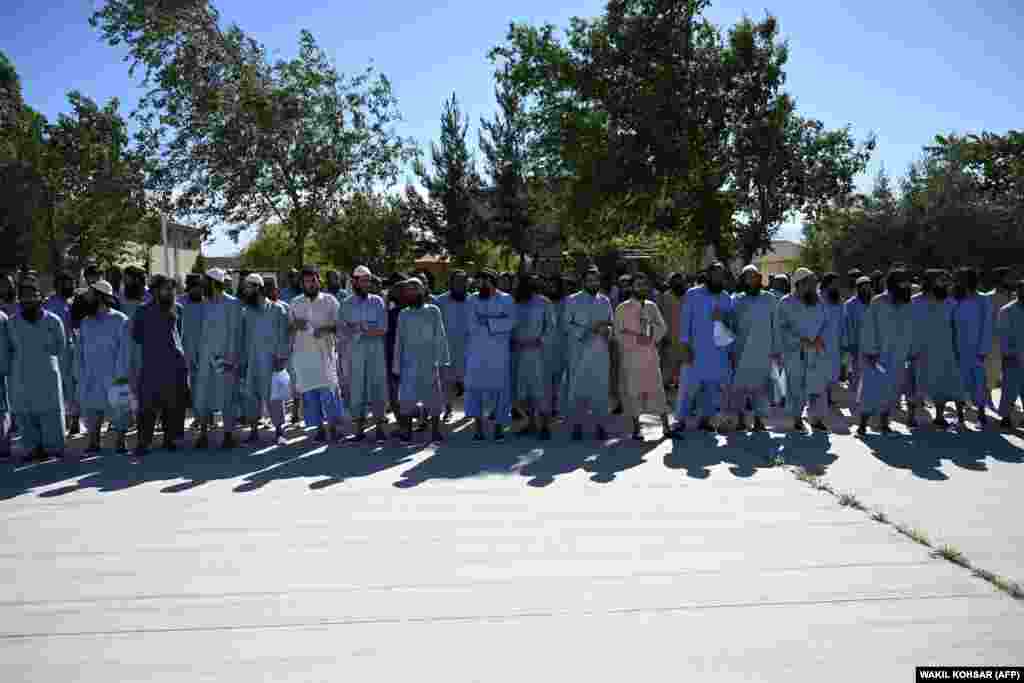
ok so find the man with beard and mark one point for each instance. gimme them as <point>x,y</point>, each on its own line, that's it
<point>92,275</point>
<point>334,285</point>
<point>709,368</point>
<point>556,350</point>
<point>60,305</point>
<point>264,349</point>
<point>780,285</point>
<point>973,322</point>
<point>421,350</point>
<point>492,317</point>
<point>37,347</point>
<point>754,318</point>
<point>135,294</point>
<point>8,296</point>
<point>886,343</point>
<point>854,310</point>
<point>640,328</point>
<point>534,330</point>
<point>936,374</point>
<point>292,289</point>
<point>1004,286</point>
<point>833,336</point>
<point>215,365</point>
<point>589,323</point>
<point>105,356</point>
<point>313,320</point>
<point>671,304</point>
<point>800,324</point>
<point>161,376</point>
<point>624,292</point>
<point>364,318</point>
<point>5,370</point>
<point>1010,330</point>
<point>455,313</point>
<point>396,301</point>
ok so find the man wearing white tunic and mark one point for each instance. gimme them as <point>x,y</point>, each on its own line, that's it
<point>264,348</point>
<point>534,332</point>
<point>492,317</point>
<point>364,318</point>
<point>60,304</point>
<point>313,320</point>
<point>421,350</point>
<point>1010,332</point>
<point>215,365</point>
<point>455,311</point>
<point>936,373</point>
<point>639,327</point>
<point>36,344</point>
<point>754,321</point>
<point>800,325</point>
<point>105,354</point>
<point>832,299</point>
<point>589,323</point>
<point>709,372</point>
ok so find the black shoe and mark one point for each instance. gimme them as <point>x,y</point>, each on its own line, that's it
<point>254,436</point>
<point>1007,424</point>
<point>820,426</point>
<point>706,426</point>
<point>75,428</point>
<point>436,437</point>
<point>229,442</point>
<point>941,423</point>
<point>404,437</point>
<point>741,425</point>
<point>139,453</point>
<point>526,431</point>
<point>381,436</point>
<point>637,436</point>
<point>799,425</point>
<point>169,445</point>
<point>983,420</point>
<point>122,445</point>
<point>862,428</point>
<point>602,435</point>
<point>759,425</point>
<point>202,443</point>
<point>617,411</point>
<point>93,449</point>
<point>479,437</point>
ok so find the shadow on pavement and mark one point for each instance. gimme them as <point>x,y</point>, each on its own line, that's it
<point>923,451</point>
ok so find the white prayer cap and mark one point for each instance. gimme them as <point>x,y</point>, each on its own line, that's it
<point>361,271</point>
<point>218,274</point>
<point>254,279</point>
<point>749,269</point>
<point>103,287</point>
<point>800,275</point>
<point>863,280</point>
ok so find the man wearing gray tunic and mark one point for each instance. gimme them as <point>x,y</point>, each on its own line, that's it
<point>935,367</point>
<point>754,322</point>
<point>105,353</point>
<point>5,368</point>
<point>886,343</point>
<point>800,323</point>
<point>364,318</point>
<point>589,321</point>
<point>36,344</point>
<point>455,312</point>
<point>214,375</point>
<point>421,350</point>
<point>264,348</point>
<point>832,299</point>
<point>534,332</point>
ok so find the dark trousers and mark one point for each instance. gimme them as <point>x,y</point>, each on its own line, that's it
<point>170,404</point>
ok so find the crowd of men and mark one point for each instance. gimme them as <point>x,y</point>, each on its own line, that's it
<point>120,354</point>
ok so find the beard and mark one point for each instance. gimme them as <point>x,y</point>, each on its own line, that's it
<point>92,308</point>
<point>195,297</point>
<point>715,287</point>
<point>133,291</point>
<point>591,291</point>
<point>362,292</point>
<point>67,291</point>
<point>486,293</point>
<point>312,292</point>
<point>833,296</point>
<point>864,296</point>
<point>902,294</point>
<point>679,290</point>
<point>960,292</point>
<point>458,296</point>
<point>754,290</point>
<point>810,298</point>
<point>253,299</point>
<point>940,293</point>
<point>32,312</point>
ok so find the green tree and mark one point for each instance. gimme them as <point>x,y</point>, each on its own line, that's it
<point>448,213</point>
<point>246,140</point>
<point>375,230</point>
<point>273,249</point>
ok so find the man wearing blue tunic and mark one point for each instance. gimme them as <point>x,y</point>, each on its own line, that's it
<point>936,373</point>
<point>455,313</point>
<point>37,344</point>
<point>492,317</point>
<point>534,331</point>
<point>421,350</point>
<point>709,373</point>
<point>800,324</point>
<point>161,376</point>
<point>974,321</point>
<point>833,336</point>
<point>215,372</point>
<point>104,359</point>
<point>854,311</point>
<point>754,321</point>
<point>364,318</point>
<point>1011,342</point>
<point>60,304</point>
<point>135,294</point>
<point>264,348</point>
<point>886,343</point>
<point>589,321</point>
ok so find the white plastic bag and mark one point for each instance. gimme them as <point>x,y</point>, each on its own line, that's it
<point>722,335</point>
<point>281,386</point>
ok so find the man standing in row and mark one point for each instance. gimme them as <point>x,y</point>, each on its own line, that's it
<point>937,375</point>
<point>710,371</point>
<point>1011,339</point>
<point>671,306</point>
<point>589,321</point>
<point>455,311</point>
<point>105,353</point>
<point>887,345</point>
<point>640,328</point>
<point>800,324</point>
<point>535,330</point>
<point>833,336</point>
<point>974,321</point>
<point>215,366</point>
<point>5,370</point>
<point>365,319</point>
<point>314,323</point>
<point>854,310</point>
<point>264,351</point>
<point>754,318</point>
<point>488,355</point>
<point>421,350</point>
<point>60,304</point>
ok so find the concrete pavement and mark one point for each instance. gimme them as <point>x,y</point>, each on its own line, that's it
<point>555,561</point>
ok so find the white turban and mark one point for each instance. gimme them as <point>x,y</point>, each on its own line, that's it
<point>254,279</point>
<point>749,269</point>
<point>360,271</point>
<point>218,274</point>
<point>800,275</point>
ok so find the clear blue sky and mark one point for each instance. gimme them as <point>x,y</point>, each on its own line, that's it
<point>906,69</point>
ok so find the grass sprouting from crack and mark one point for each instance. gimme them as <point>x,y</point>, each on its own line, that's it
<point>880,517</point>
<point>777,461</point>
<point>850,500</point>
<point>915,534</point>
<point>952,554</point>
